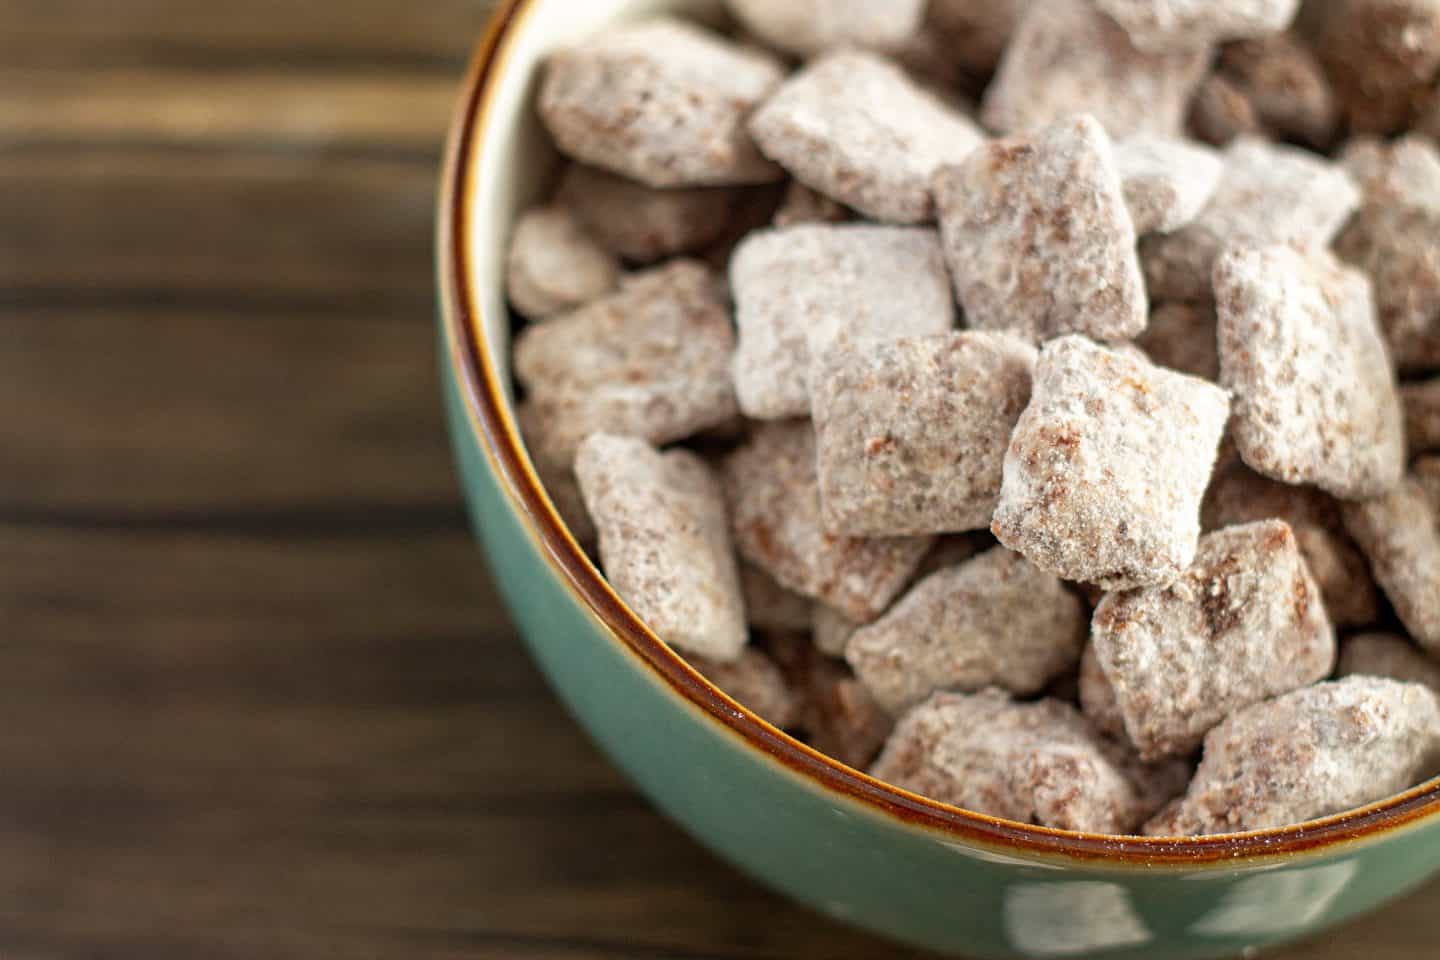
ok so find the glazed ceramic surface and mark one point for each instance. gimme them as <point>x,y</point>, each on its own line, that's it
<point>851,847</point>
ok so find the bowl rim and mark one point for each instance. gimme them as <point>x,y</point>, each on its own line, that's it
<point>488,412</point>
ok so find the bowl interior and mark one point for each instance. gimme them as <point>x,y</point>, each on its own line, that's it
<point>508,164</point>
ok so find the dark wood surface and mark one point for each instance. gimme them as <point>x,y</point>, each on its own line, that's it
<point>260,698</point>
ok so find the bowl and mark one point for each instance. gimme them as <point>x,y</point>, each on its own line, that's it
<point>852,847</point>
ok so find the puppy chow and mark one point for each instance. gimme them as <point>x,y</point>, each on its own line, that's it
<point>1038,237</point>
<point>853,126</point>
<point>651,360</point>
<point>664,542</point>
<point>995,620</point>
<point>661,101</point>
<point>1107,467</point>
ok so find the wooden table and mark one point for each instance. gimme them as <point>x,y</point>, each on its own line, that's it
<point>260,699</point>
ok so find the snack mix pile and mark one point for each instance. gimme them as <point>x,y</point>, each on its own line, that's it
<point>1014,399</point>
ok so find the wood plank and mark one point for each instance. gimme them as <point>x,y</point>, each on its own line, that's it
<point>277,739</point>
<point>321,223</point>
<point>84,32</point>
<point>173,410</point>
<point>219,107</point>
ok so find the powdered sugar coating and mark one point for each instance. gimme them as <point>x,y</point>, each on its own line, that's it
<point>643,224</point>
<point>1267,194</point>
<point>1421,401</point>
<point>1107,466</point>
<point>664,542</point>
<point>831,630</point>
<point>911,432</point>
<point>1038,237</point>
<point>661,101</point>
<point>1315,397</point>
<point>995,620</point>
<point>1067,57</point>
<point>554,265</point>
<point>1387,655</point>
<point>1396,239</point>
<point>651,360</point>
<point>753,680</point>
<point>801,290</point>
<point>1238,494</point>
<point>853,126</point>
<point>1159,25</point>
<point>1166,181</point>
<point>1310,753</point>
<point>808,27</point>
<point>1182,336</point>
<point>1399,533</point>
<point>1244,623</point>
<point>1037,763</point>
<point>774,500</point>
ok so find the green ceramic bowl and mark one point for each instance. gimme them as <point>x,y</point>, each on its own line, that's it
<point>850,846</point>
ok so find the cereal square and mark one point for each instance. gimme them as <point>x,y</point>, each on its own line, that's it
<point>995,620</point>
<point>911,432</point>
<point>643,224</point>
<point>1238,494</point>
<point>1267,194</point>
<point>1242,624</point>
<point>554,265</point>
<point>808,27</point>
<point>1067,57</point>
<point>664,542</point>
<point>1039,763</point>
<point>651,360</point>
<point>1310,753</point>
<point>661,101</point>
<point>1038,237</point>
<point>800,290</point>
<point>1166,181</point>
<point>1400,534</point>
<point>1396,239</point>
<point>775,511</point>
<point>854,127</point>
<point>1107,467</point>
<point>1315,397</point>
<point>1160,25</point>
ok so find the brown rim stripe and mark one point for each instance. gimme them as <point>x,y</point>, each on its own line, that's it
<point>487,407</point>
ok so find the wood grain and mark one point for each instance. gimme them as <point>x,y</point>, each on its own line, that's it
<point>261,700</point>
